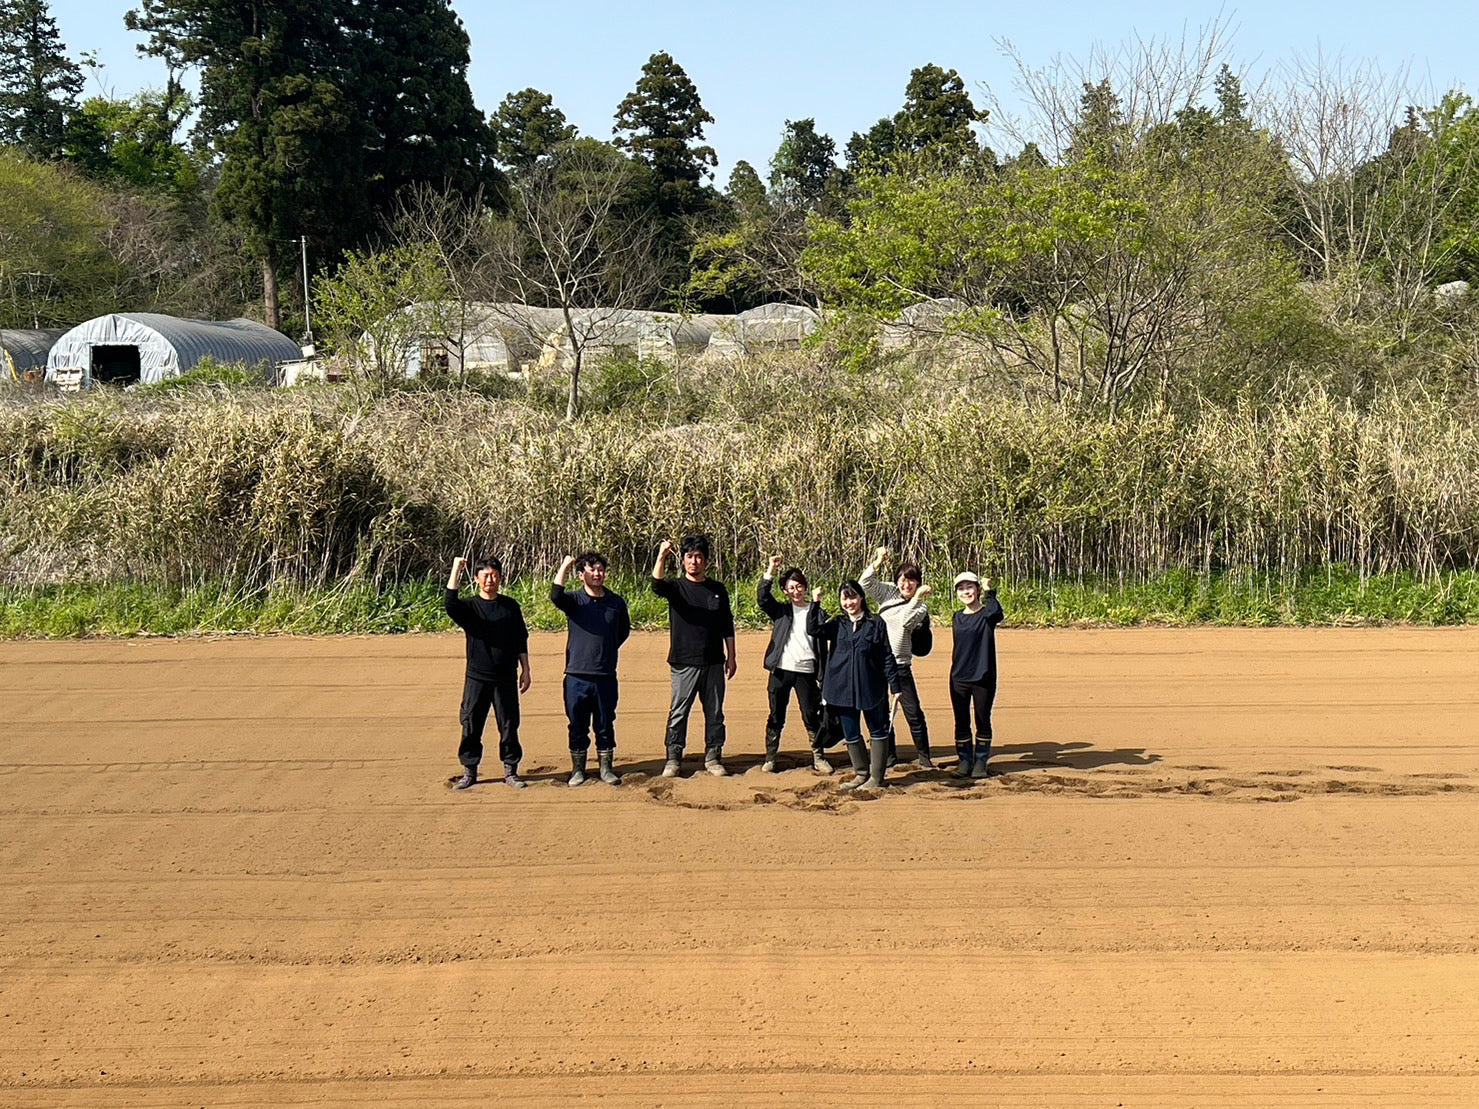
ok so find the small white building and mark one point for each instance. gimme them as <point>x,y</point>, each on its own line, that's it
<point>127,348</point>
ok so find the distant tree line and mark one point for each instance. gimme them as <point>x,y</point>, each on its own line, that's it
<point>1148,232</point>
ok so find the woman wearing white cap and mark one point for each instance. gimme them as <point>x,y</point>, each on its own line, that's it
<point>973,671</point>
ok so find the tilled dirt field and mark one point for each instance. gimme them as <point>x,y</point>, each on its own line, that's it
<point>1213,868</point>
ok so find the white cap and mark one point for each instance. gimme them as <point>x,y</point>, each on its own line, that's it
<point>966,577</point>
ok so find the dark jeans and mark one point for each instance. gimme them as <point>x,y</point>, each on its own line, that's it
<point>704,684</point>
<point>502,695</point>
<point>980,695</point>
<point>590,700</point>
<point>911,708</point>
<point>808,699</point>
<point>875,716</point>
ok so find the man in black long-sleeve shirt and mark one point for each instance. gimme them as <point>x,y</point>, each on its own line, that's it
<point>497,646</point>
<point>700,653</point>
<point>599,625</point>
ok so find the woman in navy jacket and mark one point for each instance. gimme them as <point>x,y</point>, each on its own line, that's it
<point>860,680</point>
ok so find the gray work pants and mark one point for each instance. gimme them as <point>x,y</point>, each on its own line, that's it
<point>706,685</point>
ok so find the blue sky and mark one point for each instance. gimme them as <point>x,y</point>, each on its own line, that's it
<point>845,64</point>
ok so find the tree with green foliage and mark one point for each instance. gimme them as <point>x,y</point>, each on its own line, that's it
<point>745,191</point>
<point>804,168</point>
<point>379,305</point>
<point>131,142</point>
<point>525,127</point>
<point>272,105</point>
<point>935,122</point>
<point>872,148</point>
<point>39,84</point>
<point>1085,280</point>
<point>937,114</point>
<point>406,77</point>
<point>661,123</point>
<point>320,112</point>
<point>55,269</point>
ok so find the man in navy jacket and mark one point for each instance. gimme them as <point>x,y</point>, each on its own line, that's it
<point>599,625</point>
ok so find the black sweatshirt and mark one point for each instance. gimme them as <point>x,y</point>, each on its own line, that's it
<point>699,620</point>
<point>598,626</point>
<point>974,653</point>
<point>496,634</point>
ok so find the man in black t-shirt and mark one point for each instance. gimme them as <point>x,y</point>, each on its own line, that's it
<point>497,668</point>
<point>700,653</point>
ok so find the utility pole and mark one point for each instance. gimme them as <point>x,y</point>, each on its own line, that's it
<point>307,318</point>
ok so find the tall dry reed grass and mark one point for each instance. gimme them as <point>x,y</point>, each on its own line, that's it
<point>309,488</point>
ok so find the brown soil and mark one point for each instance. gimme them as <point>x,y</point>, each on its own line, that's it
<point>1214,868</point>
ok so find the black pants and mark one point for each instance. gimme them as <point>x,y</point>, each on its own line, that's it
<point>911,708</point>
<point>980,695</point>
<point>590,701</point>
<point>808,700</point>
<point>502,695</point>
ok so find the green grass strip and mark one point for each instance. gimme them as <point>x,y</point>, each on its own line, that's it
<point>1334,597</point>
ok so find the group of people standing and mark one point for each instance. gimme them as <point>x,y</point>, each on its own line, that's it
<point>850,673</point>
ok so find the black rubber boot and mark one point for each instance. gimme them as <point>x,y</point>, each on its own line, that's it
<point>893,748</point>
<point>713,761</point>
<point>983,752</point>
<point>963,762</point>
<point>880,751</point>
<point>468,780</point>
<point>772,749</point>
<point>608,772</point>
<point>859,757</point>
<point>922,748</point>
<point>577,768</point>
<point>674,766</point>
<point>511,776</point>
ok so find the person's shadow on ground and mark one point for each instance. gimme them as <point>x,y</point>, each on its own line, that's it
<point>1013,758</point>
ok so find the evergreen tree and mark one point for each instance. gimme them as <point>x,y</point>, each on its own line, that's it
<point>1232,105</point>
<point>661,122</point>
<point>525,127</point>
<point>408,81</point>
<point>745,190</point>
<point>39,84</point>
<point>937,113</point>
<point>936,120</point>
<point>1099,130</point>
<point>321,111</point>
<point>805,164</point>
<point>874,147</point>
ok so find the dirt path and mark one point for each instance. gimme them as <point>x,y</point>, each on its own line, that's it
<point>1215,868</point>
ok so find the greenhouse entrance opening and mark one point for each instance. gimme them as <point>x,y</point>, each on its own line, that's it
<point>115,365</point>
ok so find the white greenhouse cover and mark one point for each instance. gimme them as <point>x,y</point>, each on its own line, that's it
<point>169,345</point>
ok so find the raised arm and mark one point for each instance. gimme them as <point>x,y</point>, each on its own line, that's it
<point>916,612</point>
<point>765,590</point>
<point>455,606</point>
<point>459,567</point>
<point>660,567</point>
<point>877,589</point>
<point>994,614</point>
<point>818,625</point>
<point>557,595</point>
